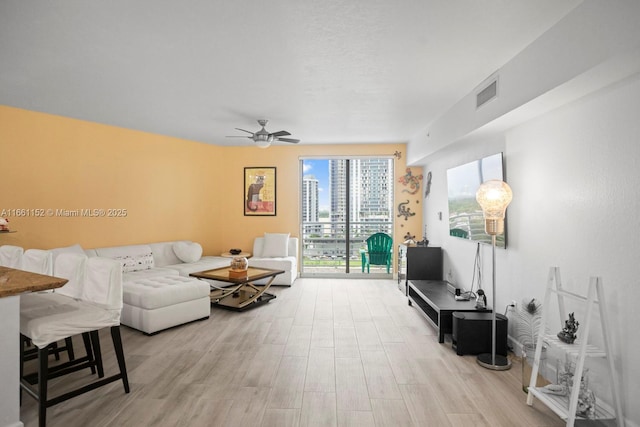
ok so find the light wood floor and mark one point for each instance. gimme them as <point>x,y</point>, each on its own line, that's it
<point>325,352</point>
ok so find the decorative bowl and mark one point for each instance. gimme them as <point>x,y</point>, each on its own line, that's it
<point>235,251</point>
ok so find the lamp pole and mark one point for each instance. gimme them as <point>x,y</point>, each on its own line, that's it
<point>494,196</point>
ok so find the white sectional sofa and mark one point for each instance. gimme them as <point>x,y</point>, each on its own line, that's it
<point>157,290</point>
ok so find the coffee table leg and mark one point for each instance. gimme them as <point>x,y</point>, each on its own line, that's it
<point>219,293</point>
<point>259,293</point>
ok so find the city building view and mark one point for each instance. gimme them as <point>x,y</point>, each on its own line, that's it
<point>344,201</point>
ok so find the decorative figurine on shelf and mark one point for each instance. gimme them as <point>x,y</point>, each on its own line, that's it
<point>568,333</point>
<point>586,398</point>
<point>481,300</point>
<point>586,402</point>
<point>424,241</point>
<point>4,224</point>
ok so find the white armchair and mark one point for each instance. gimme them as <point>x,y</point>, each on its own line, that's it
<point>277,251</point>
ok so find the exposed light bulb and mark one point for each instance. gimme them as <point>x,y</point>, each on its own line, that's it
<point>494,196</point>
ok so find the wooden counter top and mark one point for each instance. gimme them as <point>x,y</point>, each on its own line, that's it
<point>15,282</point>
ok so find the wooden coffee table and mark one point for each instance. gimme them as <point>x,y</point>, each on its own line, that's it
<point>241,293</point>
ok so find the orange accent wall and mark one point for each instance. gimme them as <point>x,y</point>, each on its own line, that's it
<point>171,188</point>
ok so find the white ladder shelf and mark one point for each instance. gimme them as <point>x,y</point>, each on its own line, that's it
<point>564,406</point>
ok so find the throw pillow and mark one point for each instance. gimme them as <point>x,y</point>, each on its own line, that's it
<point>187,251</point>
<point>136,262</point>
<point>275,245</point>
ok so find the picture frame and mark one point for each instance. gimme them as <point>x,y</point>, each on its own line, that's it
<point>259,191</point>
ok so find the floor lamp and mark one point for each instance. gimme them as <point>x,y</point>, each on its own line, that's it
<point>494,196</point>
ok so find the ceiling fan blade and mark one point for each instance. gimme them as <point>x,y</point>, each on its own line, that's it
<point>245,131</point>
<point>293,141</point>
<point>239,136</point>
<point>280,133</point>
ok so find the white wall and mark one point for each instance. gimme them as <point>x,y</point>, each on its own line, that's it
<point>572,156</point>
<point>575,178</point>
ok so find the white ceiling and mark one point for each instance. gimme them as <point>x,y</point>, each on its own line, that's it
<point>332,71</point>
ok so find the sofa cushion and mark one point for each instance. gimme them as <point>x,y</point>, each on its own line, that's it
<point>275,245</point>
<point>204,263</point>
<point>132,257</point>
<point>136,262</point>
<point>145,274</point>
<point>187,251</point>
<point>277,263</point>
<point>163,291</point>
<point>163,253</point>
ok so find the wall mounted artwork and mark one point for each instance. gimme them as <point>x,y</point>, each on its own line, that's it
<point>259,191</point>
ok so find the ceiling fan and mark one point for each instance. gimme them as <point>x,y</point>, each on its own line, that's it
<point>263,138</point>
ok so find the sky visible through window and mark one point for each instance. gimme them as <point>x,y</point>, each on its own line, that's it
<point>319,169</point>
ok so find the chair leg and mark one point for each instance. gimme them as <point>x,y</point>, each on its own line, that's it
<point>92,343</point>
<point>68,342</point>
<point>97,352</point>
<point>43,373</point>
<point>23,342</point>
<point>89,350</point>
<point>117,345</point>
<point>56,351</point>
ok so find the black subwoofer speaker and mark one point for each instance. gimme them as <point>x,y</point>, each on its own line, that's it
<point>472,333</point>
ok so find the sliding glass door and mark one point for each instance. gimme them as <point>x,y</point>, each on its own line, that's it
<point>344,201</point>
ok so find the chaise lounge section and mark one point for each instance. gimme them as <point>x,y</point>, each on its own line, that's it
<point>157,291</point>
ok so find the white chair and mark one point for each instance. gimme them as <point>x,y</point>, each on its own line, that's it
<point>11,256</point>
<point>37,261</point>
<point>41,262</point>
<point>90,301</point>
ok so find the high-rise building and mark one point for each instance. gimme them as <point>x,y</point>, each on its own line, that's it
<point>371,198</point>
<point>310,208</point>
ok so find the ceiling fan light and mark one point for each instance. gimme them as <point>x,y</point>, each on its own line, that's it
<point>263,143</point>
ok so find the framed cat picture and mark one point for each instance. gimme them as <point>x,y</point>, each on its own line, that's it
<point>260,191</point>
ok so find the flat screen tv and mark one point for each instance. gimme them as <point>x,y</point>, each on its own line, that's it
<point>465,215</point>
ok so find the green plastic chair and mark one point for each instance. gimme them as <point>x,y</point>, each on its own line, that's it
<point>379,250</point>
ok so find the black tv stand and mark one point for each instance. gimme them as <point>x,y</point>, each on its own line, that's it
<point>437,304</point>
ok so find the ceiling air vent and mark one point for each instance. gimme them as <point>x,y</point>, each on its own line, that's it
<point>487,94</point>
